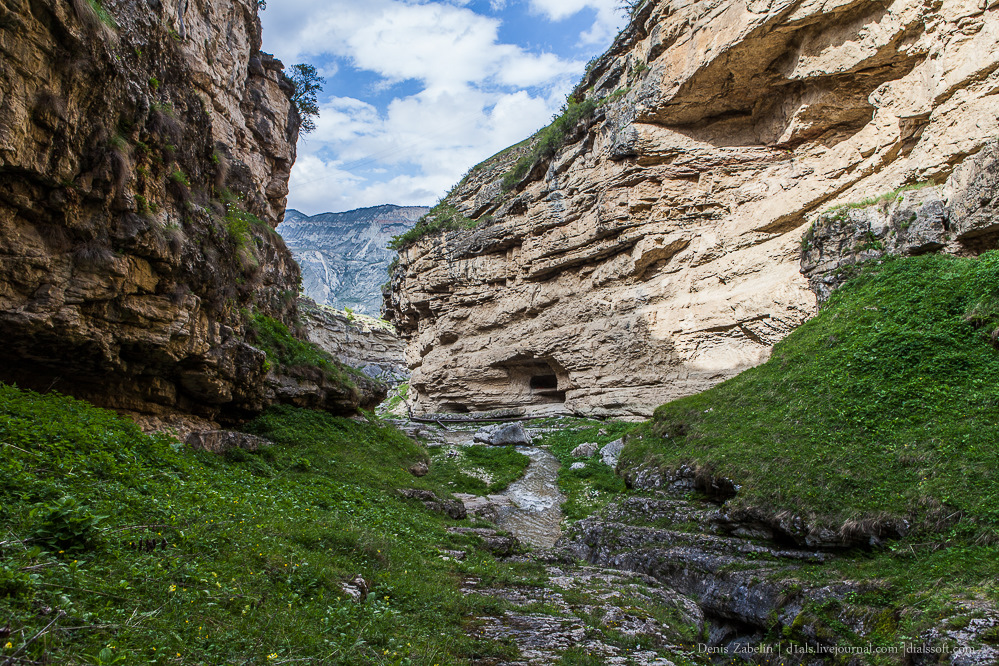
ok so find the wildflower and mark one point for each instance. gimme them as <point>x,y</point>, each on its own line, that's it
<point>272,655</point>
<point>173,588</point>
<point>8,646</point>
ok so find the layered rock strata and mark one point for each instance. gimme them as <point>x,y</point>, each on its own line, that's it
<point>656,253</point>
<point>960,216</point>
<point>365,343</point>
<point>145,150</point>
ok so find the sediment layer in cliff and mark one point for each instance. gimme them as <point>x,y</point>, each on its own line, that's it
<point>656,253</point>
<point>145,150</point>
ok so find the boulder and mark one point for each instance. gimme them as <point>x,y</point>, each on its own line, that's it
<point>610,453</point>
<point>419,469</point>
<point>503,434</point>
<point>577,465</point>
<point>585,450</point>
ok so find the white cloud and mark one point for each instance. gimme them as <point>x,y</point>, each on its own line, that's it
<point>470,100</point>
<point>608,20</point>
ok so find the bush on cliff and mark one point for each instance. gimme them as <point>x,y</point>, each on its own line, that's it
<point>121,547</point>
<point>885,406</point>
<point>442,217</point>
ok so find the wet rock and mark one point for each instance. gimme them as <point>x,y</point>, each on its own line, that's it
<point>503,434</point>
<point>585,450</point>
<point>220,441</point>
<point>420,469</point>
<point>451,508</point>
<point>356,588</point>
<point>610,453</point>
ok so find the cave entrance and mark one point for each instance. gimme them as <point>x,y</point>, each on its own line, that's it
<point>536,380</point>
<point>539,382</point>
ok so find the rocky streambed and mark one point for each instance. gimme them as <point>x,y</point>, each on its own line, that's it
<point>663,575</point>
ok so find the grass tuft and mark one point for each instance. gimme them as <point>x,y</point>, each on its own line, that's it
<point>177,556</point>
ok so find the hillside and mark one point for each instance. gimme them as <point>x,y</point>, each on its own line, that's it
<point>345,256</point>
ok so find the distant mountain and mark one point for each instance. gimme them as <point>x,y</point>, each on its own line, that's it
<point>343,256</point>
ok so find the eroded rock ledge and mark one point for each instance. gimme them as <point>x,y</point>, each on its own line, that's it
<point>144,160</point>
<point>657,253</point>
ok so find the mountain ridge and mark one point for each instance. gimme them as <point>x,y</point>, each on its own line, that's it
<point>344,256</point>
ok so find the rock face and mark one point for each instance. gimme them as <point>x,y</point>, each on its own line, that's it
<point>961,216</point>
<point>656,253</point>
<point>144,159</point>
<point>345,256</point>
<point>361,342</point>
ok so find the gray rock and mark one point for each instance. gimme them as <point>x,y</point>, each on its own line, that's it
<point>585,450</point>
<point>419,469</point>
<point>357,588</point>
<point>451,508</point>
<point>220,441</point>
<point>610,453</point>
<point>577,465</point>
<point>503,434</point>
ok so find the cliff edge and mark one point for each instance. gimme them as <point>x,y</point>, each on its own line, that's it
<point>145,150</point>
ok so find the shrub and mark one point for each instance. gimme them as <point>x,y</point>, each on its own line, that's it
<point>307,83</point>
<point>65,525</point>
<point>443,217</point>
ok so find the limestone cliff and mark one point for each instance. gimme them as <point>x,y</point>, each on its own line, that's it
<point>362,342</point>
<point>655,253</point>
<point>345,256</point>
<point>145,150</point>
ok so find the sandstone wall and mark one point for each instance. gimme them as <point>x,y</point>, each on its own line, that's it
<point>657,253</point>
<point>144,159</point>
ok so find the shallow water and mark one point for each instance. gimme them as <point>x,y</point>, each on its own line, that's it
<point>536,515</point>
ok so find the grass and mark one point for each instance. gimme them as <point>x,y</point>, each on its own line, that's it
<point>552,138</point>
<point>589,489</point>
<point>442,217</point>
<point>166,556</point>
<point>882,407</point>
<point>479,470</point>
<point>297,357</point>
<point>839,212</point>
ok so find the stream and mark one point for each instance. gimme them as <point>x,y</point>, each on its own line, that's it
<point>534,511</point>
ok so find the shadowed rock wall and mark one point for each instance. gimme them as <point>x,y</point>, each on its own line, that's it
<point>145,149</point>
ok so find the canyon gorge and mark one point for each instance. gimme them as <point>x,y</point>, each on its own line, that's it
<point>656,253</point>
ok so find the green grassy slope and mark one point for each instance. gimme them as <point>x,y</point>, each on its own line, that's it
<point>884,405</point>
<point>132,549</point>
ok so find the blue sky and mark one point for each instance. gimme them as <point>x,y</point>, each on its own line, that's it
<point>418,91</point>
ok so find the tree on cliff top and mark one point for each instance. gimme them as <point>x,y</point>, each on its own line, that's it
<point>307,83</point>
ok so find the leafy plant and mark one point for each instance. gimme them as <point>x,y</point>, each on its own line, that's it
<point>65,525</point>
<point>442,217</point>
<point>180,177</point>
